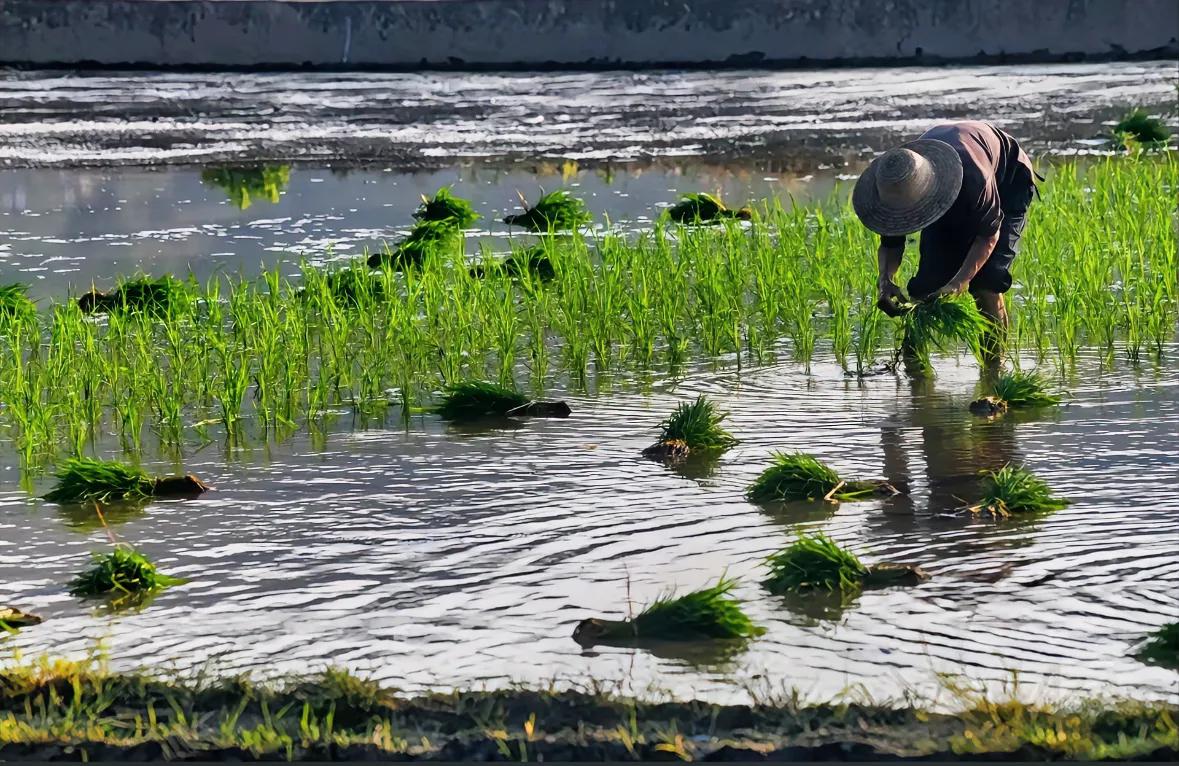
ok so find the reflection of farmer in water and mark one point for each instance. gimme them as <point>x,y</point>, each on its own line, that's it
<point>966,187</point>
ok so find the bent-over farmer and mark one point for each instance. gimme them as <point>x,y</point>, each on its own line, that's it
<point>966,187</point>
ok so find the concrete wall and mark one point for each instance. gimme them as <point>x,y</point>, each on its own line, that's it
<point>575,33</point>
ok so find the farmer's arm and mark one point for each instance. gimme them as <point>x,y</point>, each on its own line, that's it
<point>888,259</point>
<point>976,257</point>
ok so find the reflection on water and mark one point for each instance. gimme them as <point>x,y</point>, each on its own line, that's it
<point>244,185</point>
<point>429,557</point>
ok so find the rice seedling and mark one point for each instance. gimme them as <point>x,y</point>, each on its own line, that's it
<point>123,571</point>
<point>1012,490</point>
<point>941,324</point>
<point>154,296</point>
<point>799,476</point>
<point>533,261</point>
<point>1137,127</point>
<point>695,425</point>
<point>444,206</point>
<point>699,207</point>
<point>426,238</point>
<point>706,614</point>
<point>556,211</point>
<point>474,399</point>
<point>15,303</point>
<point>86,479</point>
<point>1024,389</point>
<point>1160,647</point>
<point>244,185</point>
<point>12,618</point>
<point>816,562</point>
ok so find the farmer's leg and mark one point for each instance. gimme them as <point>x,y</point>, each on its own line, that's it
<point>991,305</point>
<point>994,278</point>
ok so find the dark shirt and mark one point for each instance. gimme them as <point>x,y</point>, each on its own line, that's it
<point>994,168</point>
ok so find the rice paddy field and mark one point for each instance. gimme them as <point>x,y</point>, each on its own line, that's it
<point>347,523</point>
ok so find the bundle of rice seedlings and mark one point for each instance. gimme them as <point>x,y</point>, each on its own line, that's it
<point>799,476</point>
<point>988,406</point>
<point>710,613</point>
<point>243,185</point>
<point>155,296</point>
<point>426,238</point>
<point>86,479</point>
<point>1162,647</point>
<point>941,323</point>
<point>555,211</point>
<point>698,207</point>
<point>15,302</point>
<point>1024,389</point>
<point>474,399</point>
<point>123,570</point>
<point>533,260</point>
<point>444,206</point>
<point>816,562</point>
<point>351,286</point>
<point>1138,127</point>
<point>1016,490</point>
<point>692,426</point>
<point>12,618</point>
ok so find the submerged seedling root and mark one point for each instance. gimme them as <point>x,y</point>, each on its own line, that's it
<point>122,571</point>
<point>555,211</point>
<point>816,562</point>
<point>12,618</point>
<point>799,476</point>
<point>476,399</point>
<point>699,207</point>
<point>86,479</point>
<point>709,613</point>
<point>1162,647</point>
<point>692,427</point>
<point>1013,490</point>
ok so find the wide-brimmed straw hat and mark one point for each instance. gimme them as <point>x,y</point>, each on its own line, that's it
<point>908,188</point>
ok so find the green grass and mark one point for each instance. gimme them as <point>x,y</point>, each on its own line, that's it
<point>699,207</point>
<point>799,476</point>
<point>1024,389</point>
<point>245,185</point>
<point>705,614</point>
<point>475,399</point>
<point>86,479</point>
<point>697,424</point>
<point>556,211</point>
<point>942,324</point>
<point>1162,647</point>
<point>123,571</point>
<point>1014,490</point>
<point>1138,127</point>
<point>444,206</point>
<point>815,562</point>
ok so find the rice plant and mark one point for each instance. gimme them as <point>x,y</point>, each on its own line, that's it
<point>534,261</point>
<point>1162,647</point>
<point>698,425</point>
<point>799,476</point>
<point>84,479</point>
<point>1139,128</point>
<point>709,613</point>
<point>699,207</point>
<point>475,399</point>
<point>15,303</point>
<point>556,211</point>
<point>426,238</point>
<point>941,324</point>
<point>122,571</point>
<point>1024,389</point>
<point>814,562</point>
<point>152,295</point>
<point>1012,490</point>
<point>244,185</point>
<point>444,206</point>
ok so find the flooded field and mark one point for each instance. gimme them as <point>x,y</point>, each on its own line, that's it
<point>429,555</point>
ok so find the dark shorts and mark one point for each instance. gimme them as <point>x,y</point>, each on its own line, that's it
<point>936,269</point>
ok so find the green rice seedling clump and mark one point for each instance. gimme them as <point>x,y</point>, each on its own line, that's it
<point>942,323</point>
<point>123,570</point>
<point>152,295</point>
<point>474,399</point>
<point>444,206</point>
<point>1024,389</point>
<point>1139,127</point>
<point>423,240</point>
<point>699,207</point>
<point>1012,489</point>
<point>697,424</point>
<point>799,476</point>
<point>1162,647</point>
<point>243,185</point>
<point>814,562</point>
<point>85,479</point>
<point>556,211</point>
<point>15,302</point>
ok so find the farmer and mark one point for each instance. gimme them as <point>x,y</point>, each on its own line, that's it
<point>966,187</point>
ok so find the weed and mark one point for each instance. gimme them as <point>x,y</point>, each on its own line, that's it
<point>122,571</point>
<point>799,476</point>
<point>1015,490</point>
<point>474,399</point>
<point>555,211</point>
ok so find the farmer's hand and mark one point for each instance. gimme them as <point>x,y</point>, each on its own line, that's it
<point>949,289</point>
<point>889,298</point>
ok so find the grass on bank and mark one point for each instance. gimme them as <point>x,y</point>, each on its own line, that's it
<point>556,211</point>
<point>121,572</point>
<point>1015,490</point>
<point>705,614</point>
<point>798,476</point>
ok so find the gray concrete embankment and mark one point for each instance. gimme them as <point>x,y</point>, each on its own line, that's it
<point>577,33</point>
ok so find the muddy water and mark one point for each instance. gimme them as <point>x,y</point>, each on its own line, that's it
<point>429,557</point>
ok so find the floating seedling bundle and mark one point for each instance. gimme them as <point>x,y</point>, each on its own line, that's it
<point>556,211</point>
<point>426,238</point>
<point>445,207</point>
<point>1162,647</point>
<point>534,260</point>
<point>86,479</point>
<point>1015,390</point>
<point>699,207</point>
<point>692,427</point>
<point>1014,490</point>
<point>799,476</point>
<point>709,613</point>
<point>156,296</point>
<point>1141,129</point>
<point>12,618</point>
<point>477,399</point>
<point>122,572</point>
<point>816,562</point>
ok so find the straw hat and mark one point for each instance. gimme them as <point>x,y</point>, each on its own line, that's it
<point>908,188</point>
